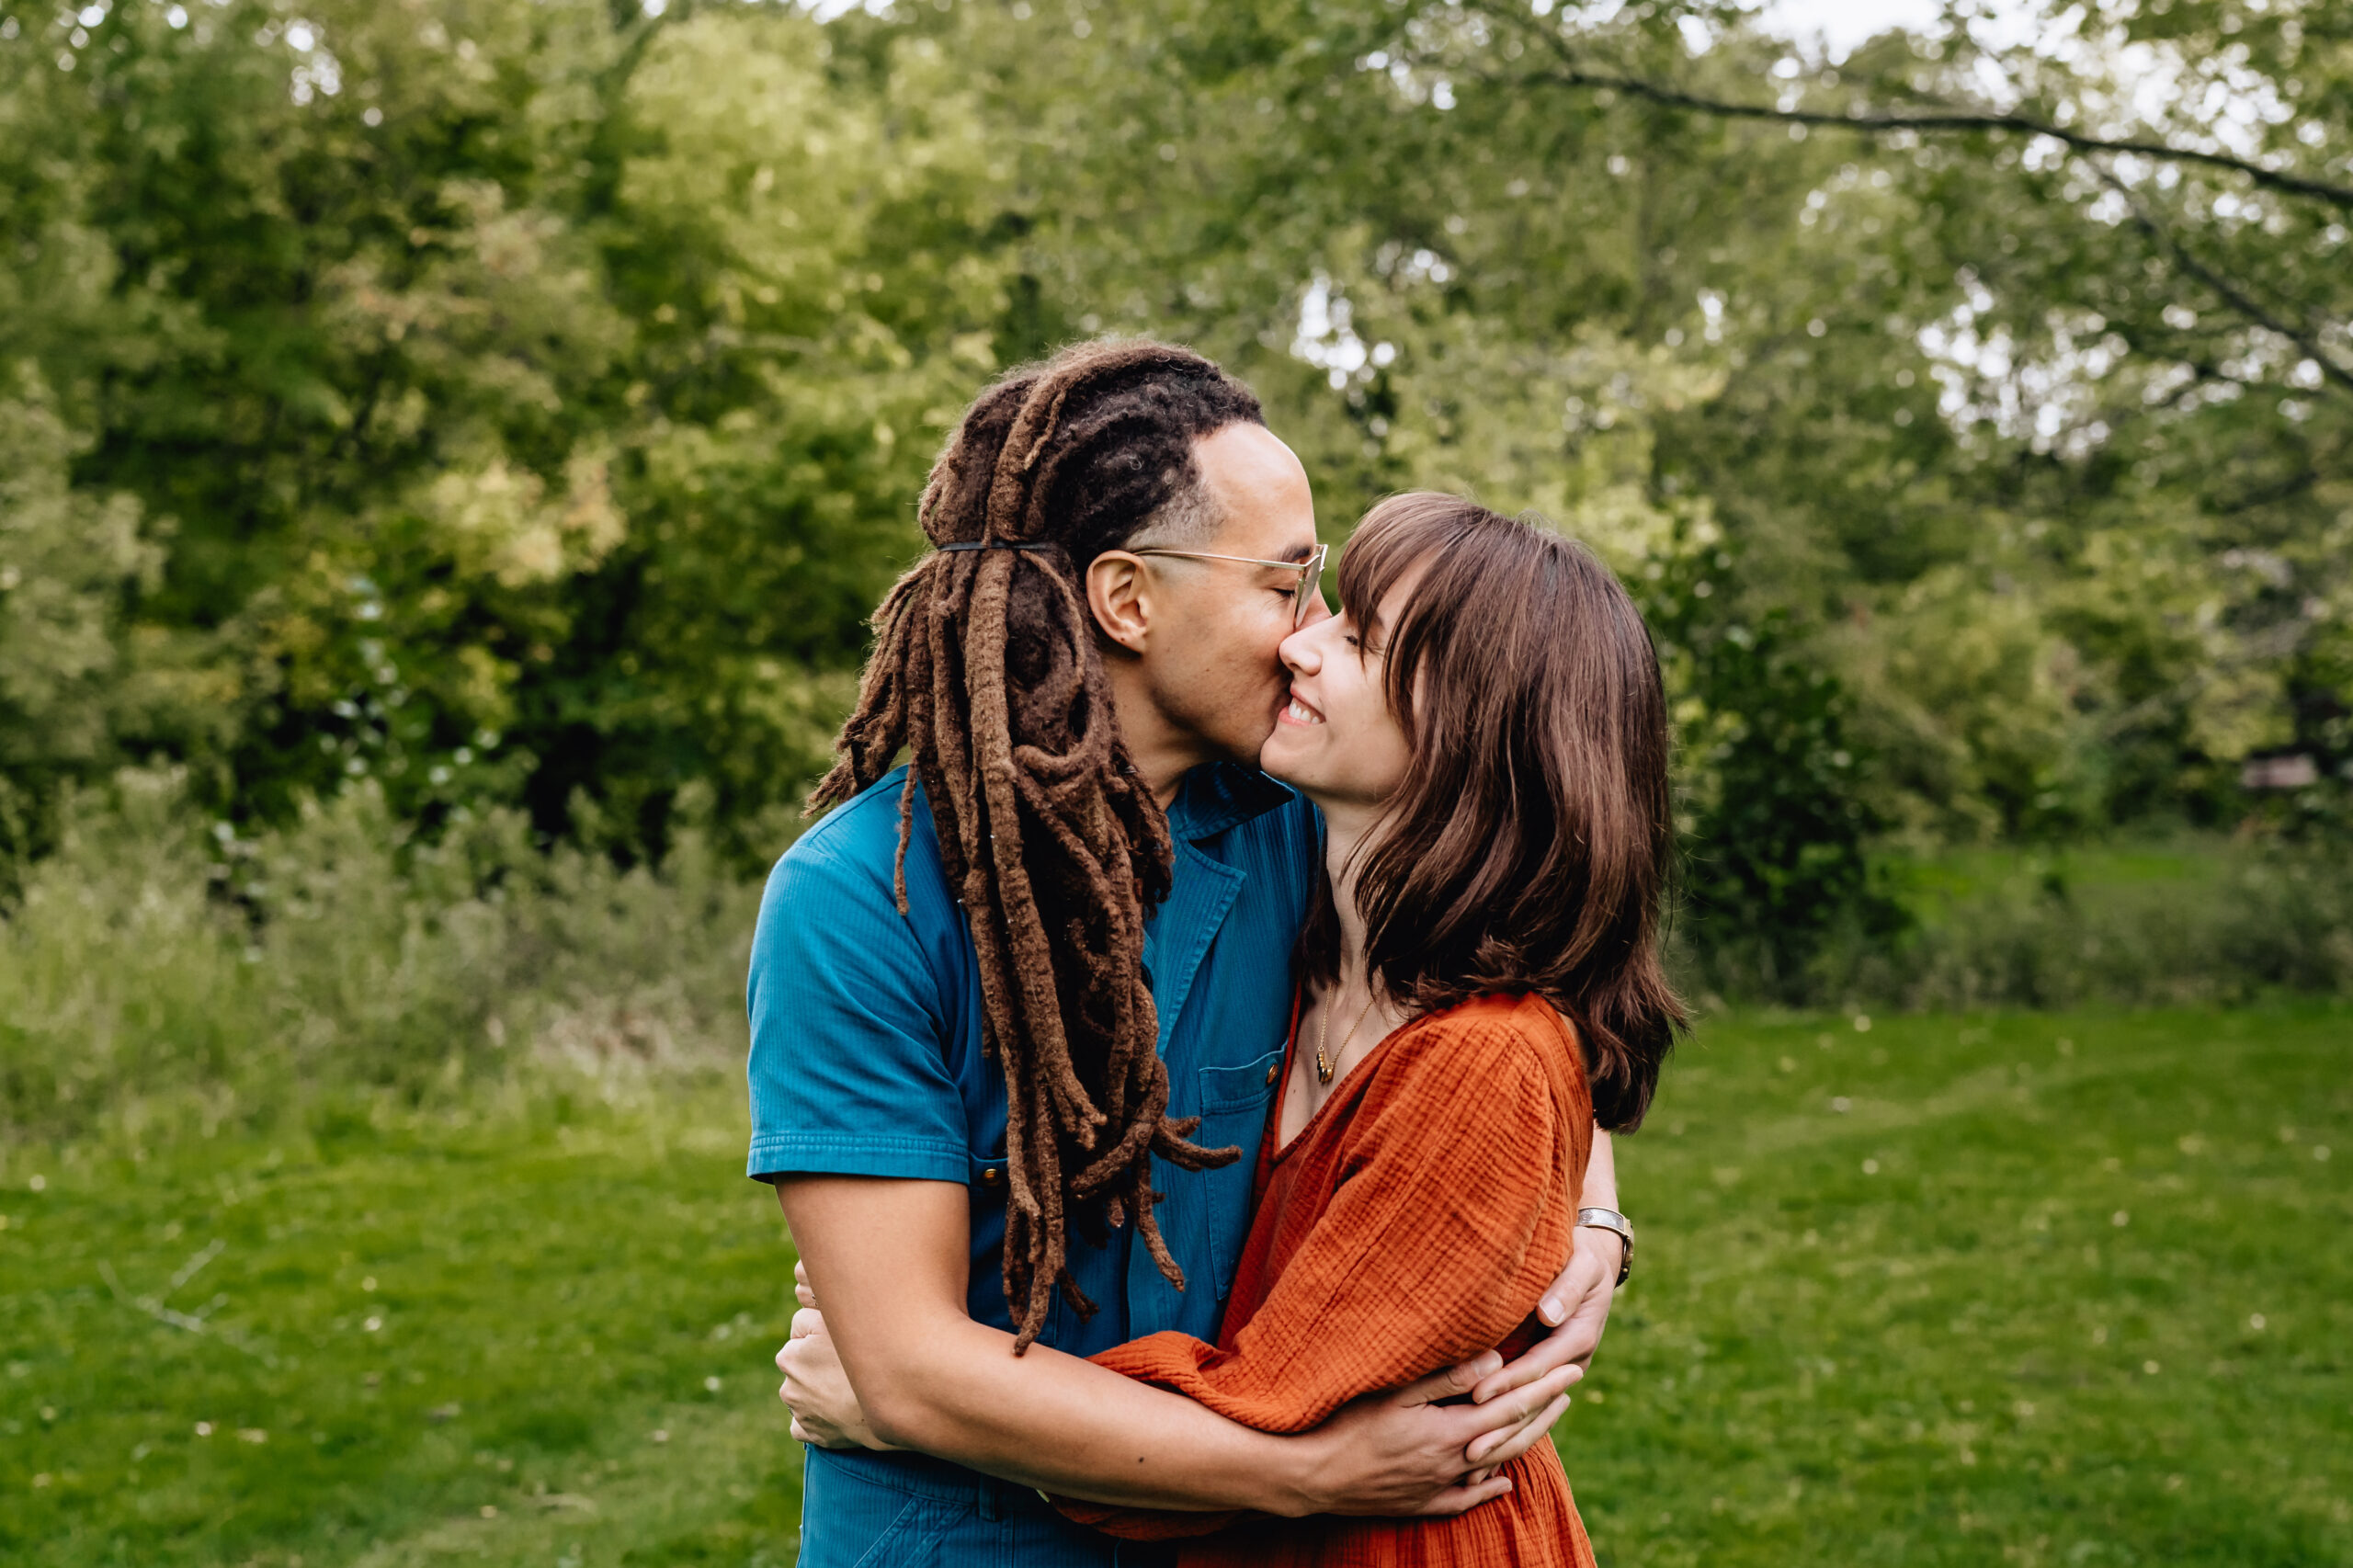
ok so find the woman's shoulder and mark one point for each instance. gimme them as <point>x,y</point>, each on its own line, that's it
<point>1497,1018</point>
<point>1496,1034</point>
<point>1501,1071</point>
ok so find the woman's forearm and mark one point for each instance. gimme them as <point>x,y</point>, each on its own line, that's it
<point>1599,1188</point>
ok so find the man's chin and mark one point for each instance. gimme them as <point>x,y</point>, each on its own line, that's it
<point>1223,740</point>
<point>1244,748</point>
<point>1257,755</point>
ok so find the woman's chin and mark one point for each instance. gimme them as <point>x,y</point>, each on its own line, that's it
<point>1295,767</point>
<point>1280,759</point>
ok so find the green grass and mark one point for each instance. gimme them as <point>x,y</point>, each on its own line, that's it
<point>1942,1359</point>
<point>2093,877</point>
<point>421,1342</point>
<point>2184,858</point>
<point>2002,1308</point>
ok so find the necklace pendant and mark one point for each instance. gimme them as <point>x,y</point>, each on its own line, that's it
<point>1323,1067</point>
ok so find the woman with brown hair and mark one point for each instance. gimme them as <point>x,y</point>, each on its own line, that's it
<point>1484,727</point>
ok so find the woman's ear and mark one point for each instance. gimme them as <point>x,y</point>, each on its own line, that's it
<point>1118,592</point>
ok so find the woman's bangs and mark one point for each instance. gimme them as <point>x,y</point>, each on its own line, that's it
<point>1395,537</point>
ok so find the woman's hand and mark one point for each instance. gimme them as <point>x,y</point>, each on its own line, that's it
<point>1383,1454</point>
<point>1577,1303</point>
<point>825,1408</point>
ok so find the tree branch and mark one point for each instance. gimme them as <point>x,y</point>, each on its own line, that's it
<point>1572,75</point>
<point>2231,294</point>
<point>2272,494</point>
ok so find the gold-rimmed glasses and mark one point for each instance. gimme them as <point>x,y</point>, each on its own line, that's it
<point>1310,573</point>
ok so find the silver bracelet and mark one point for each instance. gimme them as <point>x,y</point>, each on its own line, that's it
<point>1616,1224</point>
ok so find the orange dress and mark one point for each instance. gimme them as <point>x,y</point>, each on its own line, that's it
<point>1413,1222</point>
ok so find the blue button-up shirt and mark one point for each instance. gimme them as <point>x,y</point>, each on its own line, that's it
<point>866,1053</point>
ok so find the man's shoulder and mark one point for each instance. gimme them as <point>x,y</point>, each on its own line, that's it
<point>851,830</point>
<point>857,843</point>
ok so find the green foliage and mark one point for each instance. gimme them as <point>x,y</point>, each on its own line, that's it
<point>2212,923</point>
<point>537,404</point>
<point>69,562</point>
<point>528,399</point>
<point>1776,826</point>
<point>2054,500</point>
<point>149,985</point>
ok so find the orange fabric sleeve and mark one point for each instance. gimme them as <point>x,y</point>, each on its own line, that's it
<point>1456,1199</point>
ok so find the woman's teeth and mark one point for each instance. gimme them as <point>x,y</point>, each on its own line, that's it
<point>1300,714</point>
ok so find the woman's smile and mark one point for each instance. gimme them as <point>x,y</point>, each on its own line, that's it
<point>1297,712</point>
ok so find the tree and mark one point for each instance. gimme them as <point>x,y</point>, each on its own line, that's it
<point>531,399</point>
<point>535,402</point>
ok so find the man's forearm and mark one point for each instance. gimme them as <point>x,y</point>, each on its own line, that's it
<point>891,1259</point>
<point>1050,1420</point>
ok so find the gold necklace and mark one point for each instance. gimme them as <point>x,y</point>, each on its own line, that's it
<point>1326,1064</point>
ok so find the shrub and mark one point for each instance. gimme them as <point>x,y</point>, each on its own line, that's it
<point>1774,823</point>
<point>150,971</point>
<point>2261,917</point>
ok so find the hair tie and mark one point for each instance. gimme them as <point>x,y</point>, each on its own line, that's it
<point>997,544</point>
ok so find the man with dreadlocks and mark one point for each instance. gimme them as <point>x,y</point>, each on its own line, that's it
<point>1019,1004</point>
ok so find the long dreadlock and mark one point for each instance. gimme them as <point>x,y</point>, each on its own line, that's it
<point>987,668</point>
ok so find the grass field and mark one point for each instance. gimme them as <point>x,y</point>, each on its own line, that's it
<point>2032,1289</point>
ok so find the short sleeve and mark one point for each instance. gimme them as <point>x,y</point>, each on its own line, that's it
<point>849,1072</point>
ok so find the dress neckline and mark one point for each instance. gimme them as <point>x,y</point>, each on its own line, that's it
<point>1290,1057</point>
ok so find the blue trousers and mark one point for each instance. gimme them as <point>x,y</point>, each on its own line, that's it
<point>866,1511</point>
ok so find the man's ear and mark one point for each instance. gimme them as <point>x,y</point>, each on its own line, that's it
<point>1120,592</point>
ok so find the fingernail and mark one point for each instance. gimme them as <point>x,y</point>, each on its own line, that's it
<point>1552,1311</point>
<point>1490,1363</point>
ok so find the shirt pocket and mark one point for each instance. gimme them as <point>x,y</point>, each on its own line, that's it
<point>857,1514</point>
<point>1233,1106</point>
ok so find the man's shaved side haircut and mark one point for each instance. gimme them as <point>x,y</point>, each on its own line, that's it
<point>987,668</point>
<point>1189,518</point>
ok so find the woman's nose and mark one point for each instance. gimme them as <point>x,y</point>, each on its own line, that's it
<point>1299,652</point>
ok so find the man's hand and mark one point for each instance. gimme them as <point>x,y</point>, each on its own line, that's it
<point>1388,1450</point>
<point>825,1408</point>
<point>1577,1305</point>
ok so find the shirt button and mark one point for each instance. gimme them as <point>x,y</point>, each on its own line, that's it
<point>991,1177</point>
<point>1270,1077</point>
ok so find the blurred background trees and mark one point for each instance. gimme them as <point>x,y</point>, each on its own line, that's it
<point>517,405</point>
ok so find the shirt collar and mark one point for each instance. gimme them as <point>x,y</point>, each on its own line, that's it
<point>1220,795</point>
